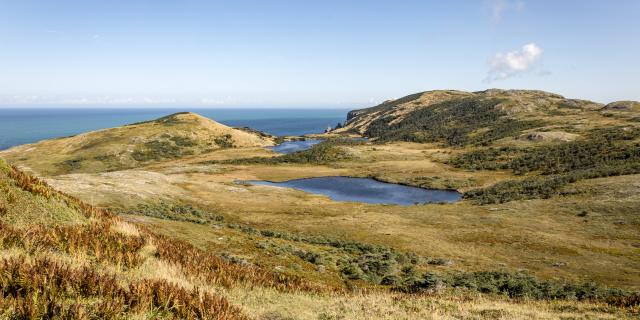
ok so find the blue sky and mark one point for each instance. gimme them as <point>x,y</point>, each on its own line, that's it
<point>311,53</point>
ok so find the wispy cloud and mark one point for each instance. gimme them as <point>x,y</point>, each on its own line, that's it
<point>208,101</point>
<point>84,100</point>
<point>513,63</point>
<point>499,8</point>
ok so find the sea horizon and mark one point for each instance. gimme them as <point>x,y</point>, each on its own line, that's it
<point>28,125</point>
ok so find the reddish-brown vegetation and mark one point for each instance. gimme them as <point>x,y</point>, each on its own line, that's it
<point>38,187</point>
<point>96,240</point>
<point>44,289</point>
<point>215,270</point>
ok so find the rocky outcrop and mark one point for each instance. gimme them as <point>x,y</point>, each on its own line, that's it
<point>549,136</point>
<point>623,106</point>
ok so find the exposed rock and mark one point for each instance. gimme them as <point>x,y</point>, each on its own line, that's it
<point>623,106</point>
<point>549,136</point>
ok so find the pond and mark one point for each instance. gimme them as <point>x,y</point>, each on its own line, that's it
<point>366,190</point>
<point>293,146</point>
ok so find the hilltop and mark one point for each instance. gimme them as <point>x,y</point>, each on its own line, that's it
<point>170,137</point>
<point>460,118</point>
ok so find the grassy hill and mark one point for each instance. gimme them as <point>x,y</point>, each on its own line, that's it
<point>62,258</point>
<point>174,136</point>
<point>458,119</point>
<point>545,138</point>
<point>548,228</point>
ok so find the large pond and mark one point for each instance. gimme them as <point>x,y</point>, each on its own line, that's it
<point>366,190</point>
<point>294,146</point>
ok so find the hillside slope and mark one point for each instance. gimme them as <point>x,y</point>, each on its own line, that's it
<point>62,258</point>
<point>458,118</point>
<point>173,136</point>
<point>546,139</point>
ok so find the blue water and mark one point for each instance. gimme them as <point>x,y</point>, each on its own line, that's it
<point>26,125</point>
<point>294,146</point>
<point>366,190</point>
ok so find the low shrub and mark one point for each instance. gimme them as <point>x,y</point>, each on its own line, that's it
<point>322,153</point>
<point>225,141</point>
<point>173,211</point>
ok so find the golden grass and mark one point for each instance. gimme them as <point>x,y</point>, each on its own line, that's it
<point>545,237</point>
<point>114,269</point>
<point>126,147</point>
<point>268,304</point>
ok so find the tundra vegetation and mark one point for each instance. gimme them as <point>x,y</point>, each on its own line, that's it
<point>96,265</point>
<point>547,229</point>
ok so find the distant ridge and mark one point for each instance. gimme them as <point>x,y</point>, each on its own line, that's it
<point>463,117</point>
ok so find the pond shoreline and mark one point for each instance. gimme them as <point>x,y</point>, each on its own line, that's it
<point>364,190</point>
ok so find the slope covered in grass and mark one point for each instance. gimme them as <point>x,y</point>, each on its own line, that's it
<point>549,140</point>
<point>87,263</point>
<point>63,258</point>
<point>174,136</point>
<point>457,119</point>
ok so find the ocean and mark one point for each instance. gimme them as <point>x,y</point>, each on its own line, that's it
<point>27,125</point>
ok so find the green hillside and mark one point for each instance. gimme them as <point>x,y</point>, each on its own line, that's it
<point>174,136</point>
<point>547,139</point>
<point>547,228</point>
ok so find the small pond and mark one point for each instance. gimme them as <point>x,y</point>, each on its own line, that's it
<point>366,190</point>
<point>293,146</point>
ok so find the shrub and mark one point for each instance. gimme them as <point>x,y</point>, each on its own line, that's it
<point>158,150</point>
<point>322,153</point>
<point>215,270</point>
<point>225,141</point>
<point>173,211</point>
<point>183,141</point>
<point>608,152</point>
<point>71,164</point>
<point>453,123</point>
<point>428,283</point>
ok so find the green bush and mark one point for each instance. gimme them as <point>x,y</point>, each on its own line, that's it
<point>225,141</point>
<point>607,152</point>
<point>158,150</point>
<point>322,153</point>
<point>452,122</point>
<point>172,211</point>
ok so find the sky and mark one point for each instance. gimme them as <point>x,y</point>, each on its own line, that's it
<point>311,53</point>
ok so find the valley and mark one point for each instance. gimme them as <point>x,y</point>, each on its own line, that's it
<point>549,214</point>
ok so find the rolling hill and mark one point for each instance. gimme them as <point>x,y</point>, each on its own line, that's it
<point>62,258</point>
<point>174,136</point>
<point>547,228</point>
<point>458,118</point>
<point>546,139</point>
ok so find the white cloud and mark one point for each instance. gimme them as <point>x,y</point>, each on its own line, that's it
<point>506,65</point>
<point>499,8</point>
